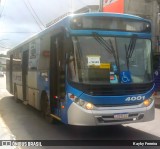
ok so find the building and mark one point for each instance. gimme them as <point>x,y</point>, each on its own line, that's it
<point>148,9</point>
<point>2,63</point>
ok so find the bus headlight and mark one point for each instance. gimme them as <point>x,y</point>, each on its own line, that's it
<point>86,105</point>
<point>89,106</point>
<point>147,102</point>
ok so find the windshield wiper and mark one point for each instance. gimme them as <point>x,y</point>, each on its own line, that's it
<point>103,43</point>
<point>130,49</point>
<point>107,45</point>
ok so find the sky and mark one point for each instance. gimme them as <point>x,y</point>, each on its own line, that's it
<point>21,19</point>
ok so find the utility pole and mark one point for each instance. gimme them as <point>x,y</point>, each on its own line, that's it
<point>101,6</point>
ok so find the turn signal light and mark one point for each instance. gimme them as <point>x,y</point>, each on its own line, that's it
<point>62,107</point>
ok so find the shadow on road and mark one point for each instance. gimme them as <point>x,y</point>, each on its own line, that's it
<point>26,123</point>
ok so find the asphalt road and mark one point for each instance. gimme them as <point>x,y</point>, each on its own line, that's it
<point>25,123</point>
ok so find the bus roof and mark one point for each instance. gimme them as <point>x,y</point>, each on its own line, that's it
<point>61,22</point>
<point>119,15</point>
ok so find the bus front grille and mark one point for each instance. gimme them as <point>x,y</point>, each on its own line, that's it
<point>118,90</point>
<point>110,118</point>
<point>113,89</point>
<point>116,105</point>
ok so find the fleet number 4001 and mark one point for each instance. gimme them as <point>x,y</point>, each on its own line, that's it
<point>135,98</point>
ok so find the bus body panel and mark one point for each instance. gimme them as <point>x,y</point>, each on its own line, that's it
<point>117,100</point>
<point>17,84</point>
<point>108,106</point>
<point>33,98</point>
<point>82,117</point>
<point>38,79</point>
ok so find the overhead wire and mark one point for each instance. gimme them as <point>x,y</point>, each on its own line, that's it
<point>1,46</point>
<point>2,11</point>
<point>85,4</point>
<point>3,8</point>
<point>18,32</point>
<point>4,43</point>
<point>32,15</point>
<point>35,13</point>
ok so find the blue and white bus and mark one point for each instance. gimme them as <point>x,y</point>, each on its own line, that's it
<point>90,69</point>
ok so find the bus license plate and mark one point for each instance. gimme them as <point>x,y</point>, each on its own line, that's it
<point>121,116</point>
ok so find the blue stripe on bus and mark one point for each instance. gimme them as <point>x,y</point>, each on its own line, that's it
<point>109,99</point>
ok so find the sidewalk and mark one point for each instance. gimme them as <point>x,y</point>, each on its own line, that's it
<point>157,103</point>
<point>157,100</point>
<point>5,134</point>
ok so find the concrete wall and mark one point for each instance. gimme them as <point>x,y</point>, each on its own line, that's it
<point>138,7</point>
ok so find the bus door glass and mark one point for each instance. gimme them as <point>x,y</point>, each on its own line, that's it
<point>24,72</point>
<point>57,73</point>
<point>10,73</point>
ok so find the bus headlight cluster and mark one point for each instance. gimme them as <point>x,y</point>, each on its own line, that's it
<point>86,105</point>
<point>147,102</point>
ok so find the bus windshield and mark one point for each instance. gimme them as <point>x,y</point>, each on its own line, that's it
<point>104,60</point>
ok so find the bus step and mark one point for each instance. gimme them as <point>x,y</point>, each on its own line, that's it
<point>56,117</point>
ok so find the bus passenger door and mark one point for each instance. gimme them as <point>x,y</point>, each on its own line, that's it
<point>57,73</point>
<point>11,74</point>
<point>24,73</point>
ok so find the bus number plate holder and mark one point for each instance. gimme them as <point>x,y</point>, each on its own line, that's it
<point>121,116</point>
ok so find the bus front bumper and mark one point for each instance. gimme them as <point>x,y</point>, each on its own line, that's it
<point>109,115</point>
